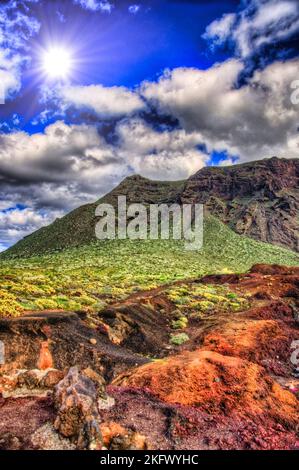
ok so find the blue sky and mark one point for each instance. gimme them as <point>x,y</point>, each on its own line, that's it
<point>156,87</point>
<point>118,48</point>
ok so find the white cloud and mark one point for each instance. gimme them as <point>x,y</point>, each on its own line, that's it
<point>104,101</point>
<point>219,30</point>
<point>159,155</point>
<point>61,152</point>
<point>18,223</point>
<point>253,121</point>
<point>20,217</point>
<point>76,154</point>
<point>134,9</point>
<point>9,81</point>
<point>260,22</point>
<point>95,5</point>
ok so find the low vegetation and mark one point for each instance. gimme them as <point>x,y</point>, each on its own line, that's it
<point>89,277</point>
<point>195,300</point>
<point>179,339</point>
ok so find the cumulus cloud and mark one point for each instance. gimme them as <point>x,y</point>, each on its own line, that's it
<point>253,121</point>
<point>106,102</point>
<point>16,223</point>
<point>95,5</point>
<point>219,30</point>
<point>260,23</point>
<point>159,155</point>
<point>59,153</point>
<point>77,154</point>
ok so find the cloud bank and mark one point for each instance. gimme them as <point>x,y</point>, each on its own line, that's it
<point>254,121</point>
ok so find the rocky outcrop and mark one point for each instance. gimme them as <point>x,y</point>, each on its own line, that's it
<point>75,399</point>
<point>52,410</point>
<point>259,199</point>
<point>60,340</point>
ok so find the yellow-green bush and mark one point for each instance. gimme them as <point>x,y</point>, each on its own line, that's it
<point>9,307</point>
<point>180,324</point>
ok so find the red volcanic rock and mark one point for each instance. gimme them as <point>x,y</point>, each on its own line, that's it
<point>45,360</point>
<point>272,269</point>
<point>255,340</point>
<point>214,383</point>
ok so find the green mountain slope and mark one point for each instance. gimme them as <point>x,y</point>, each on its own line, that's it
<point>78,227</point>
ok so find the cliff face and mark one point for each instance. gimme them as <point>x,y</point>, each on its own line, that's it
<point>259,199</point>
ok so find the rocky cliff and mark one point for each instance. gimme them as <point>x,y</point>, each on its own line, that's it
<point>259,199</point>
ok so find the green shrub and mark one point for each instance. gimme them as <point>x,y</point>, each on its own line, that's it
<point>180,324</point>
<point>232,295</point>
<point>9,307</point>
<point>179,339</point>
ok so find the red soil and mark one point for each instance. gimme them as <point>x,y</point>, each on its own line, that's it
<point>215,383</point>
<point>235,373</point>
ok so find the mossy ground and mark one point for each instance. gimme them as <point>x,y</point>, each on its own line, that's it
<point>89,277</point>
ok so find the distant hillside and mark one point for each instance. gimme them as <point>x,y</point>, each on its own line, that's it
<point>259,200</point>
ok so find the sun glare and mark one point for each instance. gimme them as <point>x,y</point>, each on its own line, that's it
<point>57,62</point>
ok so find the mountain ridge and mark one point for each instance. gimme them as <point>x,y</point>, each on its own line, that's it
<point>257,199</point>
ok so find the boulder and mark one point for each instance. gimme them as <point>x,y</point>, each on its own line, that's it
<point>78,417</point>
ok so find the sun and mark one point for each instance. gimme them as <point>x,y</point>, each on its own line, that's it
<point>57,62</point>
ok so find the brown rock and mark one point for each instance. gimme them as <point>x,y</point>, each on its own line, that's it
<point>51,379</point>
<point>116,437</point>
<point>29,379</point>
<point>97,379</point>
<point>258,199</point>
<point>78,417</point>
<point>9,442</point>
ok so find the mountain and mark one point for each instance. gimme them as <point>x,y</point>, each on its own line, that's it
<point>258,199</point>
<point>78,227</point>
